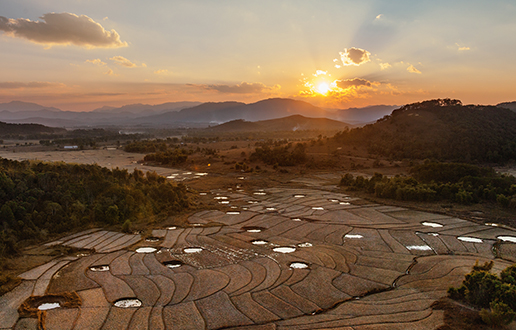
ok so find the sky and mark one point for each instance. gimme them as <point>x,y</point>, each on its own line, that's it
<point>83,54</point>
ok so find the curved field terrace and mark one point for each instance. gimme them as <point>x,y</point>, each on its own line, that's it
<point>355,265</point>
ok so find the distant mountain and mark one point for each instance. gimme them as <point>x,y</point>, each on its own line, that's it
<point>146,108</point>
<point>290,123</point>
<point>226,111</point>
<point>364,115</point>
<point>442,130</point>
<point>23,112</point>
<point>508,105</point>
<point>18,106</point>
<point>27,129</point>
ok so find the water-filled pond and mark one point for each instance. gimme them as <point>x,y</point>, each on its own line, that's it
<point>284,249</point>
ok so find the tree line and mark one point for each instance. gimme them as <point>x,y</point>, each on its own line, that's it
<point>40,199</point>
<point>455,182</point>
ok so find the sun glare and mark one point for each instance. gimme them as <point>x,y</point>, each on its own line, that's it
<point>322,88</point>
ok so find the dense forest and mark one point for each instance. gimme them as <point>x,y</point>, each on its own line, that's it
<point>40,199</point>
<point>455,182</point>
<point>275,153</point>
<point>440,130</point>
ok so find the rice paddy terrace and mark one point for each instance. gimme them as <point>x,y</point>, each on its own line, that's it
<point>276,259</point>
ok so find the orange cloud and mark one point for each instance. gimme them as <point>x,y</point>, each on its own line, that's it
<point>354,56</point>
<point>32,84</point>
<point>384,66</point>
<point>355,82</point>
<point>243,88</point>
<point>63,29</point>
<point>412,69</point>
<point>162,72</point>
<point>96,61</point>
<point>120,60</point>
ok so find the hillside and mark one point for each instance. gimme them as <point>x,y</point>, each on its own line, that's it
<point>221,112</point>
<point>364,115</point>
<point>27,129</point>
<point>508,105</point>
<point>440,129</point>
<point>290,123</point>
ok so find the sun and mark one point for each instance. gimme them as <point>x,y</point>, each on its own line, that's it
<point>323,88</point>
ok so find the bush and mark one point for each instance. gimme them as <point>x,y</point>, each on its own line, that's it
<point>498,315</point>
<point>126,227</point>
<point>496,295</point>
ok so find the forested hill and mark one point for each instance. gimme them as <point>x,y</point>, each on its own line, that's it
<point>40,199</point>
<point>441,129</point>
<point>25,129</point>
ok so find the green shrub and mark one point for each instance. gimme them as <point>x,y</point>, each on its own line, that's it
<point>496,295</point>
<point>499,314</point>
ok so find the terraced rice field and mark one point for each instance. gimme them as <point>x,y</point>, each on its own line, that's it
<point>282,259</point>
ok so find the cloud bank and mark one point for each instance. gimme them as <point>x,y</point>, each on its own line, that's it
<point>32,84</point>
<point>355,82</point>
<point>243,88</point>
<point>62,29</point>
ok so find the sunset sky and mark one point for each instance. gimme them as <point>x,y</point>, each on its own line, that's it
<point>83,54</point>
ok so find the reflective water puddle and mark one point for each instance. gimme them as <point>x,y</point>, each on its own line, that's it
<point>128,303</point>
<point>298,265</point>
<point>306,244</point>
<point>253,229</point>
<point>353,236</point>
<point>192,250</point>
<point>145,250</point>
<point>259,242</point>
<point>511,239</point>
<point>47,306</point>
<point>284,249</point>
<point>173,263</point>
<point>469,239</point>
<point>419,247</point>
<point>432,224</point>
<point>101,268</point>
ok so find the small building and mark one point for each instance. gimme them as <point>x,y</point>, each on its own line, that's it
<point>71,147</point>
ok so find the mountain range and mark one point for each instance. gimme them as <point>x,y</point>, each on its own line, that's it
<point>183,114</point>
<point>189,114</point>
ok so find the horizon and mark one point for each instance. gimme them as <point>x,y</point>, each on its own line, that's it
<point>331,54</point>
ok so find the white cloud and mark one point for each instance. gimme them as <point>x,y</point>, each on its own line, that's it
<point>384,66</point>
<point>122,61</point>
<point>62,28</point>
<point>96,61</point>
